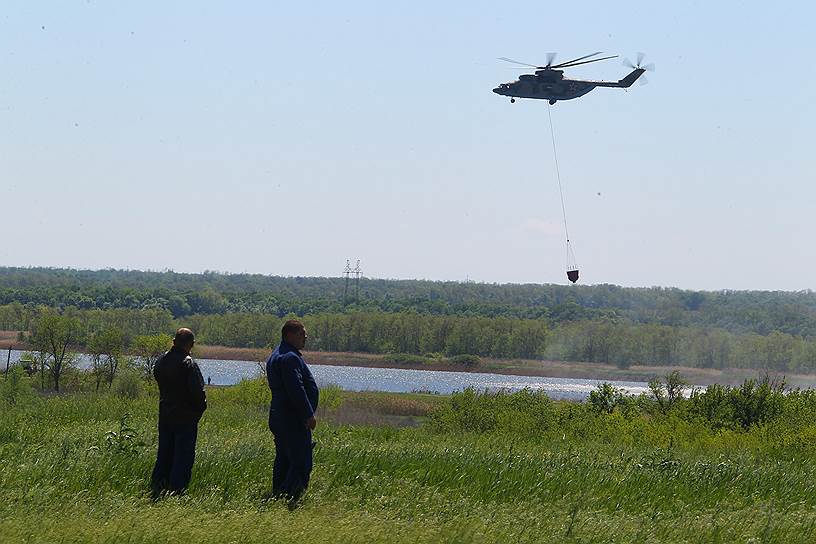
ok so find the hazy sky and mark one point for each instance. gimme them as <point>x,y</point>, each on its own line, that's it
<point>285,137</point>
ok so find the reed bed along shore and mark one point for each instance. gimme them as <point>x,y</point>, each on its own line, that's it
<point>469,467</point>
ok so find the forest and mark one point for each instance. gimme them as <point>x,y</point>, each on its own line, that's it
<point>602,323</point>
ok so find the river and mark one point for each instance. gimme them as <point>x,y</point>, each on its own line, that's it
<point>398,380</point>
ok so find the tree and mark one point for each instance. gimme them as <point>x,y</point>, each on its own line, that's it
<point>669,394</point>
<point>51,336</point>
<point>105,348</point>
<point>148,349</point>
<point>207,301</point>
<point>37,362</point>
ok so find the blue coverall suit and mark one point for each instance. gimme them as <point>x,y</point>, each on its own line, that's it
<point>294,401</point>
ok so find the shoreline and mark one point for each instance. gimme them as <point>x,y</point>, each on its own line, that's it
<point>514,367</point>
<point>519,367</point>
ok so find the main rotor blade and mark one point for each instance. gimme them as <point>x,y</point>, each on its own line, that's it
<point>505,59</point>
<point>585,62</point>
<point>576,60</point>
<point>550,59</point>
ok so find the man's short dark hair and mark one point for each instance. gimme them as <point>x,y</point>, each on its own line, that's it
<point>293,325</point>
<point>183,337</point>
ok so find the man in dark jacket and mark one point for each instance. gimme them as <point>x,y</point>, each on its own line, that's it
<point>291,413</point>
<point>182,402</point>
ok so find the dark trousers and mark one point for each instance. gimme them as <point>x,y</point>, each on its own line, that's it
<point>174,460</point>
<point>293,461</point>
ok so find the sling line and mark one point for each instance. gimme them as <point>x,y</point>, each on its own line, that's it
<point>572,266</point>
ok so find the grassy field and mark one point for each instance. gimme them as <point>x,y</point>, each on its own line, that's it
<point>412,468</point>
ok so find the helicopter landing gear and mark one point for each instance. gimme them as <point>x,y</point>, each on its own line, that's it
<point>552,102</point>
<point>512,100</point>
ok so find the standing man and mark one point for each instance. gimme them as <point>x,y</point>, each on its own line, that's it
<point>291,413</point>
<point>182,402</point>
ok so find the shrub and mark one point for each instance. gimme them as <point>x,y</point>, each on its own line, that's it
<point>606,397</point>
<point>477,411</point>
<point>714,406</point>
<point>16,388</point>
<point>253,392</point>
<point>405,359</point>
<point>466,361</point>
<point>752,403</point>
<point>668,394</point>
<point>757,401</point>
<point>624,363</point>
<point>127,384</point>
<point>125,440</point>
<point>331,397</point>
<point>75,380</point>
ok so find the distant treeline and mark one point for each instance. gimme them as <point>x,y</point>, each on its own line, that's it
<point>626,344</point>
<point>378,332</point>
<point>183,295</point>
<point>613,341</point>
<point>132,323</point>
<point>361,332</point>
<point>598,341</point>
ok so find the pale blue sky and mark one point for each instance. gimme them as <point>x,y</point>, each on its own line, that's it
<point>284,138</point>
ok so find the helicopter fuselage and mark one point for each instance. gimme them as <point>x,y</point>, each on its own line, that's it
<point>551,85</point>
<point>565,89</point>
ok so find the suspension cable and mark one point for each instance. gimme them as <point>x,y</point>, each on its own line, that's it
<point>571,264</point>
<point>558,174</point>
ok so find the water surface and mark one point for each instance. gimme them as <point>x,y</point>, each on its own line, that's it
<point>398,380</point>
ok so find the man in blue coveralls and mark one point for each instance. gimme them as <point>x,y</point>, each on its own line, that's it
<point>291,413</point>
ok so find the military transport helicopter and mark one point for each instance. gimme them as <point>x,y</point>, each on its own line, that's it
<point>548,82</point>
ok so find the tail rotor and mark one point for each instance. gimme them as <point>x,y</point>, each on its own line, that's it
<point>640,66</point>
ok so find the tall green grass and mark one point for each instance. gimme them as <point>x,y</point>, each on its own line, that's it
<point>482,468</point>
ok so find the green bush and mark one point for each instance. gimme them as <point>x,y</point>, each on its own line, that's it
<point>128,384</point>
<point>606,397</point>
<point>714,406</point>
<point>754,402</point>
<point>331,397</point>
<point>466,361</point>
<point>757,401</point>
<point>668,395</point>
<point>252,392</point>
<point>477,411</point>
<point>16,388</point>
<point>125,439</point>
<point>405,359</point>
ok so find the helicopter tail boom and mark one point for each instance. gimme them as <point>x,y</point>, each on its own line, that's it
<point>625,82</point>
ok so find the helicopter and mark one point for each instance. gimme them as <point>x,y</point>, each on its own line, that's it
<point>548,82</point>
